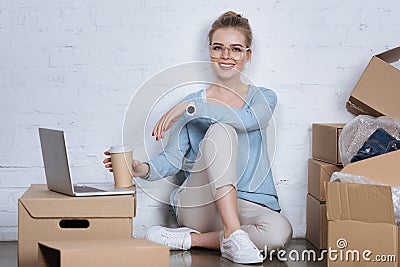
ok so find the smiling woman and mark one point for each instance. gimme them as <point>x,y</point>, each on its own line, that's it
<point>217,136</point>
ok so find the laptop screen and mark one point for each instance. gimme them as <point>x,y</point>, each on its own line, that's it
<point>55,161</point>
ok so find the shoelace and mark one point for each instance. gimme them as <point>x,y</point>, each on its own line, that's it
<point>174,240</point>
<point>243,241</point>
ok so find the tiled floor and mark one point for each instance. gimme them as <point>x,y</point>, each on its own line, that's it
<point>194,258</point>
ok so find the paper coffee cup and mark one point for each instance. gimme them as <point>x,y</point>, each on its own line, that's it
<point>121,159</point>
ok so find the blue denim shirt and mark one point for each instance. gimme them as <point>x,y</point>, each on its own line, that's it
<point>255,182</point>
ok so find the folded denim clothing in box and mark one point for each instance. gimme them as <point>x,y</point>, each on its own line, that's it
<point>378,143</point>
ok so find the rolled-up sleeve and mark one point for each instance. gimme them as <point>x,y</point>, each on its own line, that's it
<point>254,116</point>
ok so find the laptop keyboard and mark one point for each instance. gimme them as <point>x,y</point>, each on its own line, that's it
<point>84,189</point>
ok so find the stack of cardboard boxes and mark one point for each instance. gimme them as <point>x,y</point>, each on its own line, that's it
<point>361,219</point>
<point>325,161</point>
<point>59,230</point>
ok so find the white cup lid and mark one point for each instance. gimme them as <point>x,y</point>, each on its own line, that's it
<point>120,149</point>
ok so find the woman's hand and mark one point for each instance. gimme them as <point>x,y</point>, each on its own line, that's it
<point>139,169</point>
<point>168,119</point>
<point>107,161</point>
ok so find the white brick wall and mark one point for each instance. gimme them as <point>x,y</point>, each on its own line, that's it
<point>74,65</point>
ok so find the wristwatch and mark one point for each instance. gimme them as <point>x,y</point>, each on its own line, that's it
<point>191,108</point>
<point>148,173</point>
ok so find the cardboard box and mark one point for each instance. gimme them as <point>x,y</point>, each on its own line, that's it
<point>378,89</point>
<point>102,253</point>
<point>44,215</point>
<point>361,219</point>
<point>319,172</point>
<point>383,168</point>
<point>325,138</point>
<point>317,224</point>
<point>361,216</point>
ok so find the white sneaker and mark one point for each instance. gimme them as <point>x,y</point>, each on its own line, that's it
<point>174,238</point>
<point>240,249</point>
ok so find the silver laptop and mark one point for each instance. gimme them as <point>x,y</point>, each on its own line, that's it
<point>57,171</point>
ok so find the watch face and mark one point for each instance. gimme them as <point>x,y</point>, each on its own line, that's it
<point>190,109</point>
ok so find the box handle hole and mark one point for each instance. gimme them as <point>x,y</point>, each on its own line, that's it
<point>68,224</point>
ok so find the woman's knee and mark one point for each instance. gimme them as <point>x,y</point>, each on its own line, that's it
<point>275,234</point>
<point>220,139</point>
<point>280,235</point>
<point>222,130</point>
<point>278,240</point>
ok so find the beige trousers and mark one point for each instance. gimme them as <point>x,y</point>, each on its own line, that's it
<point>216,167</point>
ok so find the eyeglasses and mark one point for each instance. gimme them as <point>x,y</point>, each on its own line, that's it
<point>235,52</point>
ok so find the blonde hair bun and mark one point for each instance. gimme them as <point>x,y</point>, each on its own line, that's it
<point>231,13</point>
<point>231,19</point>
